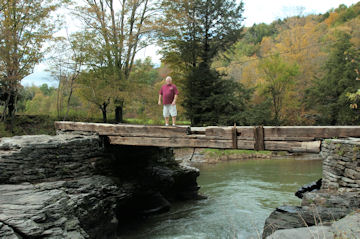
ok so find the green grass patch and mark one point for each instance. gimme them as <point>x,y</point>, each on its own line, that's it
<point>222,152</point>
<point>27,125</point>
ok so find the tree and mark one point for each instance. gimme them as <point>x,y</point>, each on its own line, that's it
<point>46,90</point>
<point>278,78</point>
<point>98,87</point>
<point>121,30</point>
<point>329,94</point>
<point>194,32</point>
<point>143,88</point>
<point>24,27</point>
<point>66,68</point>
<point>211,100</point>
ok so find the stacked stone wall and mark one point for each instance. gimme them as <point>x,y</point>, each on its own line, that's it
<point>341,165</point>
<point>38,158</point>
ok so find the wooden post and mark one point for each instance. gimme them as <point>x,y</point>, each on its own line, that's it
<point>259,138</point>
<point>234,137</point>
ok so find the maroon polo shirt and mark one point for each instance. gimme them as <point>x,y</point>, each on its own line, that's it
<point>168,92</point>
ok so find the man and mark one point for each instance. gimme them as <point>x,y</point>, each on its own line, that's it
<point>169,94</point>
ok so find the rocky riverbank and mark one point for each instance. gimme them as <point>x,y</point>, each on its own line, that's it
<point>338,198</point>
<point>78,186</point>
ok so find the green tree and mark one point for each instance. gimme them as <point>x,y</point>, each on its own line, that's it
<point>99,88</point>
<point>210,100</point>
<point>67,66</point>
<point>46,90</point>
<point>279,77</point>
<point>257,32</point>
<point>142,89</point>
<point>194,32</point>
<point>329,94</point>
<point>120,30</point>
<point>24,27</point>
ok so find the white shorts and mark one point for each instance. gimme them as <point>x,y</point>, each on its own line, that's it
<point>169,110</point>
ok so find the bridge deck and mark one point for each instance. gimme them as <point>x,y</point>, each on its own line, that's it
<point>287,138</point>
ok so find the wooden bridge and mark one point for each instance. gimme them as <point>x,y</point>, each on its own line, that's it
<point>283,138</point>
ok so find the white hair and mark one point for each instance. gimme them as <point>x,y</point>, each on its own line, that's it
<point>168,77</point>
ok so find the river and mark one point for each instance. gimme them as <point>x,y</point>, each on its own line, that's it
<point>241,195</point>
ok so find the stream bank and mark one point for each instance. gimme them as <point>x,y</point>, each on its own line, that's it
<point>337,200</point>
<point>78,186</point>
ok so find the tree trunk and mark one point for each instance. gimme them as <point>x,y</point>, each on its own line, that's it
<point>11,105</point>
<point>68,101</point>
<point>118,114</point>
<point>103,110</point>
<point>119,105</point>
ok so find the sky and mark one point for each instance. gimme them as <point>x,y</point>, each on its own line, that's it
<point>255,11</point>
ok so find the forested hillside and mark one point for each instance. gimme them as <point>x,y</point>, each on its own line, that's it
<point>302,70</point>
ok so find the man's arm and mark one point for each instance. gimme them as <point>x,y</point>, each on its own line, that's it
<point>174,101</point>
<point>159,101</point>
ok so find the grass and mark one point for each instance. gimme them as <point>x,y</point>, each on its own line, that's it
<point>27,125</point>
<point>222,152</point>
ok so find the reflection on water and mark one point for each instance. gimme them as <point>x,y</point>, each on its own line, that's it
<point>241,195</point>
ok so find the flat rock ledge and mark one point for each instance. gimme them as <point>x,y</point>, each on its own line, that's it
<point>337,200</point>
<point>75,185</point>
<point>347,227</point>
<point>55,209</point>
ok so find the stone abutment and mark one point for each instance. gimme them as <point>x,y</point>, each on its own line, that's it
<point>76,185</point>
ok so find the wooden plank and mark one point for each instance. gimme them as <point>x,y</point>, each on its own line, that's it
<point>304,147</point>
<point>289,138</point>
<point>125,130</point>
<point>293,146</point>
<point>219,132</point>
<point>245,132</point>
<point>259,138</point>
<point>245,144</point>
<point>311,131</point>
<point>171,142</point>
<point>197,130</point>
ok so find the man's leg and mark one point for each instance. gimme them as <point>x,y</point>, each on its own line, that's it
<point>173,113</point>
<point>166,114</point>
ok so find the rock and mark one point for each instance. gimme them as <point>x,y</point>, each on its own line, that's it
<point>308,188</point>
<point>338,196</point>
<point>297,217</point>
<point>61,209</point>
<point>36,158</point>
<point>76,186</point>
<point>348,227</point>
<point>341,159</point>
<point>304,232</point>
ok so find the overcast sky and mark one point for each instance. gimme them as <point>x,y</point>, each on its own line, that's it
<point>255,11</point>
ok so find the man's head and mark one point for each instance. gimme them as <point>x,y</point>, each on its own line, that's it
<point>168,80</point>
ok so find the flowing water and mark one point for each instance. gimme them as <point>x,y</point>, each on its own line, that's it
<point>241,194</point>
